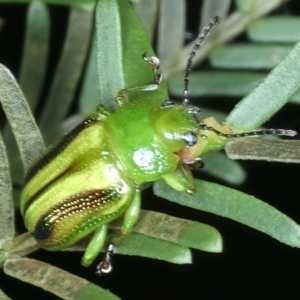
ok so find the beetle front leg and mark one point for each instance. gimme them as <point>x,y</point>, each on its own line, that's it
<point>154,63</point>
<point>181,180</point>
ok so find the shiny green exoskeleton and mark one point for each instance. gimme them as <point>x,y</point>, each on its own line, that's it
<point>94,174</point>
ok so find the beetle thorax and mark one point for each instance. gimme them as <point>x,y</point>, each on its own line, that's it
<point>149,137</point>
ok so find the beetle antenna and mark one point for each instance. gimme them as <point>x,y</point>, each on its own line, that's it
<point>203,34</point>
<point>280,132</point>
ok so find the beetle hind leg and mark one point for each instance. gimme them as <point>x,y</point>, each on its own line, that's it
<point>105,266</point>
<point>130,218</point>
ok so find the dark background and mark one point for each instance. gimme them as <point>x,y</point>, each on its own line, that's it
<point>253,265</point>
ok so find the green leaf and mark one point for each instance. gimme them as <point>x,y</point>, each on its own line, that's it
<point>296,97</point>
<point>35,52</point>
<point>237,206</point>
<point>89,96</point>
<point>145,246</point>
<point>169,240</point>
<point>18,113</point>
<point>170,39</point>
<point>246,6</point>
<point>68,71</point>
<point>3,257</point>
<point>92,291</point>
<point>120,46</point>
<point>3,296</point>
<point>282,29</point>
<point>7,226</point>
<point>168,229</point>
<point>230,27</point>
<point>67,286</point>
<point>32,74</point>
<point>211,8</point>
<point>268,97</point>
<point>147,11</point>
<point>217,83</point>
<point>248,56</point>
<point>83,4</point>
<point>280,151</point>
<point>180,231</point>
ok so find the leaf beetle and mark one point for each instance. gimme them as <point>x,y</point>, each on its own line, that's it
<point>94,174</point>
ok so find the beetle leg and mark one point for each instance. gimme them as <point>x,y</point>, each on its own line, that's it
<point>105,265</point>
<point>132,214</point>
<point>95,246</point>
<point>153,62</point>
<point>181,180</point>
<point>98,240</point>
<point>130,218</point>
<point>196,164</point>
<point>102,110</point>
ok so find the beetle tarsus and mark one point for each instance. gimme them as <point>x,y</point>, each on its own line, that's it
<point>196,164</point>
<point>154,63</point>
<point>105,265</point>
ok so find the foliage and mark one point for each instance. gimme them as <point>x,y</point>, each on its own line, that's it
<point>119,65</point>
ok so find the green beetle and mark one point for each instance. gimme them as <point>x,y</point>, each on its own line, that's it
<point>86,179</point>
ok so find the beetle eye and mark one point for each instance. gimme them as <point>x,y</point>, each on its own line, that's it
<point>190,138</point>
<point>168,103</point>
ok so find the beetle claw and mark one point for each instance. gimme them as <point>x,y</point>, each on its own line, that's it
<point>105,265</point>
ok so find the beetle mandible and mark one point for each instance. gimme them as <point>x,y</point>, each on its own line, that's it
<point>87,179</point>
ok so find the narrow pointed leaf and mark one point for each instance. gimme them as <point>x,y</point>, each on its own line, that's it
<point>178,231</point>
<point>35,52</point>
<point>248,56</point>
<point>67,286</point>
<point>32,73</point>
<point>235,205</point>
<point>68,71</point>
<point>246,6</point>
<point>170,38</point>
<point>7,224</point>
<point>169,240</point>
<point>145,246</point>
<point>147,11</point>
<point>267,98</point>
<point>120,46</point>
<point>3,296</point>
<point>217,83</point>
<point>281,29</point>
<point>20,119</point>
<point>211,8</point>
<point>82,4</point>
<point>279,151</point>
<point>232,26</point>
<point>89,96</point>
